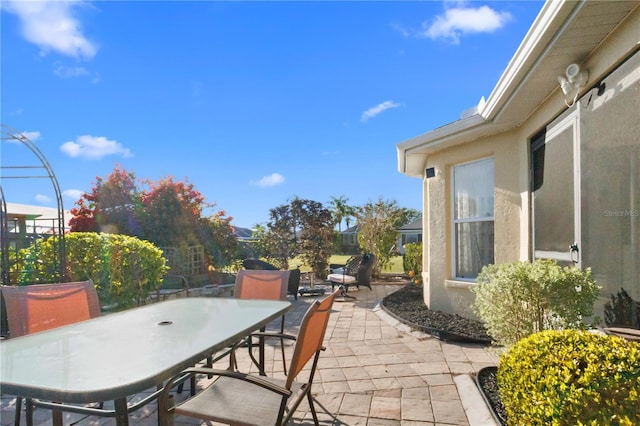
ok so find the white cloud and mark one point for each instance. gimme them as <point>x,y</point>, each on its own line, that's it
<point>69,72</point>
<point>373,111</point>
<point>93,147</point>
<point>42,199</point>
<point>32,136</point>
<point>52,26</point>
<point>72,194</point>
<point>460,20</point>
<point>271,180</point>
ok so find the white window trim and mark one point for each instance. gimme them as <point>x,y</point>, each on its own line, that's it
<point>456,281</point>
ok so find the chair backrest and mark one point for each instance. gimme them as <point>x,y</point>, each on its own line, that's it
<point>294,281</point>
<point>261,284</point>
<point>353,265</point>
<point>252,263</point>
<point>365,269</point>
<point>310,337</point>
<point>174,282</point>
<point>40,307</point>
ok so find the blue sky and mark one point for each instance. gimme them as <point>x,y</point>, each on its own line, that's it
<point>252,102</point>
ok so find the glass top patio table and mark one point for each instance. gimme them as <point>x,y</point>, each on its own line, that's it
<point>121,354</point>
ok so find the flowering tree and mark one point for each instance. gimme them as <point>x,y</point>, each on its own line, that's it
<point>111,206</point>
<point>167,213</point>
<point>172,213</point>
<point>219,239</point>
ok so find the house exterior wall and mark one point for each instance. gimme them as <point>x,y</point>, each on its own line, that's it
<point>510,157</point>
<point>510,151</point>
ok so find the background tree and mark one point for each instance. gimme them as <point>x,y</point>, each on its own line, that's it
<point>111,206</point>
<point>172,213</point>
<point>173,217</point>
<point>280,238</point>
<point>377,230</point>
<point>82,219</point>
<point>262,245</point>
<point>316,237</point>
<point>218,237</point>
<point>301,227</point>
<point>168,213</point>
<point>339,209</point>
<point>406,216</point>
<point>349,213</point>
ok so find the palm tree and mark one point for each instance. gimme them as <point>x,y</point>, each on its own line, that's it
<point>340,209</point>
<point>349,212</point>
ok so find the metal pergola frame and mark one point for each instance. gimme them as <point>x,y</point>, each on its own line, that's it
<point>41,171</point>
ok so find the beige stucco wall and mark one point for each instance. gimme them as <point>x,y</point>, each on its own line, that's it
<point>510,156</point>
<point>510,151</point>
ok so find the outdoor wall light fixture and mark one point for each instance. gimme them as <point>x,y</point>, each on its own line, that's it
<point>573,80</point>
<point>430,172</point>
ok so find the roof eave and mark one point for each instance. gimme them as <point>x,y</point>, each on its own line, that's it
<point>412,153</point>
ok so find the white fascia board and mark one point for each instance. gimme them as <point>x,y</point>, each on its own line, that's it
<point>536,41</point>
<point>412,152</point>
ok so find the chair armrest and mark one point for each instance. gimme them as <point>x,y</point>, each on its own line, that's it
<point>273,334</point>
<point>256,380</point>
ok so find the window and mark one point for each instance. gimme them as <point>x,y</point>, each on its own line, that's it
<point>473,185</point>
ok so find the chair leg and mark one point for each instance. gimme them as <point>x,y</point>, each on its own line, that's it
<point>29,411</point>
<point>284,360</point>
<point>209,364</point>
<point>343,296</point>
<point>313,408</point>
<point>16,421</point>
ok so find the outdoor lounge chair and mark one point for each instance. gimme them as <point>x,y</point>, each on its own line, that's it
<point>243,399</point>
<point>41,307</point>
<point>356,272</point>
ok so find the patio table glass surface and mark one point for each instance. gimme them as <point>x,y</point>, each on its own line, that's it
<point>120,354</point>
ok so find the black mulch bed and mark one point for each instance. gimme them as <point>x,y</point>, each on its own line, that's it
<point>488,383</point>
<point>407,305</point>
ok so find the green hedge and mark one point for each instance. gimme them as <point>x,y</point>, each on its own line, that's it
<point>571,377</point>
<point>124,269</point>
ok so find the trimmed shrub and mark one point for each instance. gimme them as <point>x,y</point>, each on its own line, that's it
<point>571,377</point>
<point>518,299</point>
<point>124,269</point>
<point>412,262</point>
